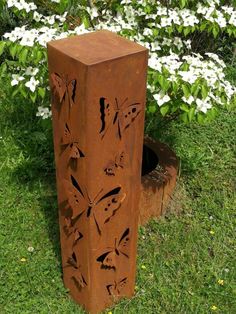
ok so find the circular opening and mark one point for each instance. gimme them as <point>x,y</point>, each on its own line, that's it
<point>150,160</point>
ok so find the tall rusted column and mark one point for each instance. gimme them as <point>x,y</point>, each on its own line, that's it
<point>98,84</point>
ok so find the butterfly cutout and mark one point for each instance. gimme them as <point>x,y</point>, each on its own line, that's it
<point>64,87</point>
<point>108,259</point>
<point>116,288</point>
<point>120,115</point>
<point>70,230</point>
<point>112,166</point>
<point>68,140</point>
<point>101,208</point>
<point>77,277</point>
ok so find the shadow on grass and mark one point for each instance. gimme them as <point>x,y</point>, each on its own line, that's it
<point>35,171</point>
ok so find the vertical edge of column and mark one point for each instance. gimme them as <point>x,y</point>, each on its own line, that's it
<point>67,82</point>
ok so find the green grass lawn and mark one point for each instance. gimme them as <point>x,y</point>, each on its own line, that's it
<point>186,260</point>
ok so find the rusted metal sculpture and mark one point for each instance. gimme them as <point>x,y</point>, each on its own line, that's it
<point>98,84</point>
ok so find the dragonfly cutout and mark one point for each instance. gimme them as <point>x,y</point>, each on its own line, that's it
<point>64,87</point>
<point>101,208</point>
<point>68,141</point>
<point>118,115</point>
<point>116,288</point>
<point>114,165</point>
<point>121,247</point>
<point>77,277</point>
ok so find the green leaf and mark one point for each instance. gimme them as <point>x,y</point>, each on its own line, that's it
<point>15,92</point>
<point>23,55</point>
<point>196,90</point>
<point>2,45</point>
<point>184,117</point>
<point>215,32</point>
<point>184,107</point>
<point>33,97</point>
<point>86,21</point>
<point>175,87</point>
<point>200,118</point>
<point>164,109</point>
<point>3,69</point>
<point>191,114</point>
<point>182,3</point>
<point>204,91</point>
<point>23,91</point>
<point>186,91</point>
<point>186,31</point>
<point>163,82</point>
<point>212,113</point>
<point>202,27</point>
<point>13,49</point>
<point>160,79</point>
<point>41,92</point>
<point>229,31</point>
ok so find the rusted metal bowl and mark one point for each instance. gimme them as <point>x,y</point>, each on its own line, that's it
<point>159,173</point>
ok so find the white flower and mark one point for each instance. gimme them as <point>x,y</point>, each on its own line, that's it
<point>188,43</point>
<point>80,30</point>
<point>11,36</point>
<point>203,105</point>
<point>44,38</point>
<point>22,5</point>
<point>188,76</point>
<point>216,58</point>
<point>30,249</point>
<point>150,87</point>
<point>161,98</point>
<point>32,83</point>
<point>11,3</point>
<point>178,42</point>
<point>227,9</point>
<point>93,12</point>
<point>31,71</point>
<point>28,37</point>
<point>155,46</point>
<point>50,19</point>
<point>221,21</point>
<point>154,63</point>
<point>37,16</point>
<point>16,79</point>
<point>188,100</point>
<point>43,112</point>
<point>165,21</point>
<point>56,1</point>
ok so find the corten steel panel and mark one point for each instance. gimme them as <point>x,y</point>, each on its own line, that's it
<point>98,84</point>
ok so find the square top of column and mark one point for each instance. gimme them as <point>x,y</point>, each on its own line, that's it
<point>96,47</point>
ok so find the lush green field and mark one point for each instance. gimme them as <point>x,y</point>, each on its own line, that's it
<point>186,261</point>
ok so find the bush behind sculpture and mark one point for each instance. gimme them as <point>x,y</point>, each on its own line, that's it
<point>185,79</point>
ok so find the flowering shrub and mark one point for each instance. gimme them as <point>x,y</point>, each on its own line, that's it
<point>181,82</point>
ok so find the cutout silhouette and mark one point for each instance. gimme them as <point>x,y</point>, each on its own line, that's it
<point>113,166</point>
<point>116,288</point>
<point>64,87</point>
<point>101,208</point>
<point>68,140</point>
<point>77,277</point>
<point>120,116</point>
<point>108,259</point>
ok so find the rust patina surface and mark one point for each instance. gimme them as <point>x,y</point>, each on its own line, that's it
<point>159,183</point>
<point>98,86</point>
